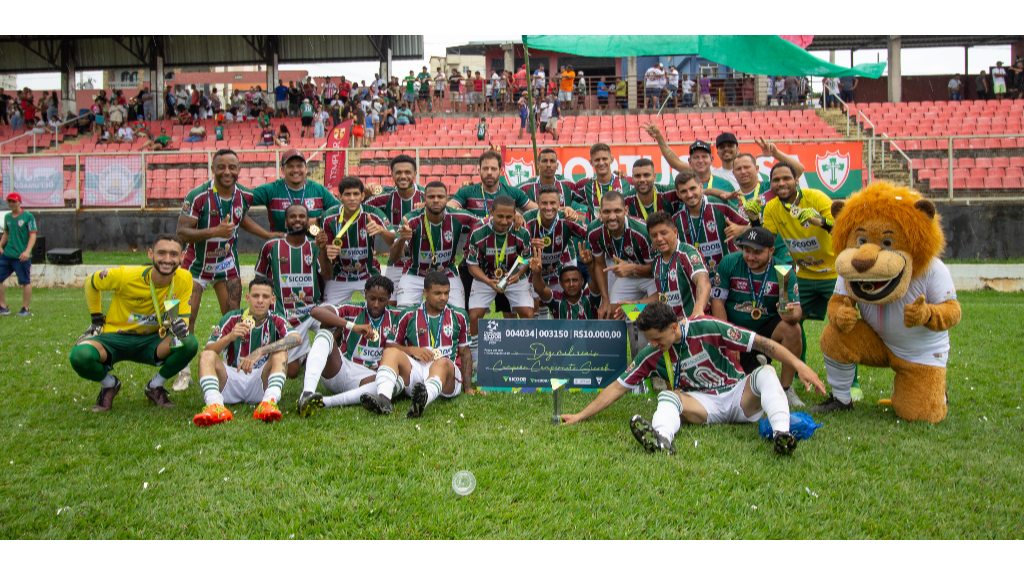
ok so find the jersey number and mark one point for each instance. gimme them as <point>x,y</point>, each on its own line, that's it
<point>708,378</point>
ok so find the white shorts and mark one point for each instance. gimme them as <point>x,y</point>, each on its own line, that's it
<point>242,387</point>
<point>725,408</point>
<point>205,284</point>
<point>393,272</point>
<point>338,293</point>
<point>410,291</point>
<point>304,328</point>
<point>419,372</point>
<point>624,289</point>
<point>348,377</point>
<point>564,96</point>
<point>481,295</point>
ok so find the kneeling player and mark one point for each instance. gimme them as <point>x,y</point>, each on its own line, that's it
<point>423,353</point>
<point>241,378</point>
<point>706,384</point>
<point>349,369</point>
<point>569,304</point>
<point>135,328</point>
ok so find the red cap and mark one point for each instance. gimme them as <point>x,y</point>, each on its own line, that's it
<point>14,197</point>
<point>291,153</point>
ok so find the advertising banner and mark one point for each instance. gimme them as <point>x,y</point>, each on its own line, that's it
<point>112,181</point>
<point>335,157</point>
<point>40,181</point>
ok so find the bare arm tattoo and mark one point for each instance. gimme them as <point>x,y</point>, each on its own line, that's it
<point>766,345</point>
<point>286,343</point>
<point>234,288</point>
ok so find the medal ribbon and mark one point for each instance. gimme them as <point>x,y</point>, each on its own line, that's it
<point>795,203</point>
<point>350,222</point>
<point>550,232</point>
<point>302,194</point>
<point>152,292</point>
<point>499,258</point>
<point>434,340</point>
<point>621,244</point>
<point>759,295</point>
<point>697,224</point>
<point>430,238</point>
<point>216,204</point>
<point>663,271</point>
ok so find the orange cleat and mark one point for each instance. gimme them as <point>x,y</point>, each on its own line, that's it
<point>267,411</point>
<point>212,414</point>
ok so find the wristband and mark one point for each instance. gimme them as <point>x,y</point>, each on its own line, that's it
<point>350,325</point>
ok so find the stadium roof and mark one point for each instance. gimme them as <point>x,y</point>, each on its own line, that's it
<point>20,54</point>
<point>882,42</point>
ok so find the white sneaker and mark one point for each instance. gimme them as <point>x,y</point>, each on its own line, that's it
<point>182,381</point>
<point>794,400</point>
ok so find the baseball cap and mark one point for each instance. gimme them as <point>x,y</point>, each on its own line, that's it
<point>757,238</point>
<point>700,145</point>
<point>14,197</point>
<point>291,153</point>
<point>726,137</point>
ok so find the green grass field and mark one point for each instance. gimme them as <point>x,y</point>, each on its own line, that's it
<point>140,472</point>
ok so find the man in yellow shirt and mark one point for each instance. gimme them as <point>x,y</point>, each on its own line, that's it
<point>137,327</point>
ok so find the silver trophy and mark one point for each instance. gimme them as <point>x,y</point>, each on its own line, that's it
<point>519,264</point>
<point>782,270</point>
<point>171,306</point>
<point>557,390</point>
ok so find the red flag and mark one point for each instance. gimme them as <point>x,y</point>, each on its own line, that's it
<point>336,157</point>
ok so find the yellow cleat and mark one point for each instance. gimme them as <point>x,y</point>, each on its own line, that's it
<point>212,414</point>
<point>267,411</point>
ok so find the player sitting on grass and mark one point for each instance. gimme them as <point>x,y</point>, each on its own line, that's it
<point>706,384</point>
<point>423,352</point>
<point>137,327</point>
<point>349,369</point>
<point>250,374</point>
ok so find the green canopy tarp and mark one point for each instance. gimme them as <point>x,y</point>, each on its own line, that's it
<point>769,55</point>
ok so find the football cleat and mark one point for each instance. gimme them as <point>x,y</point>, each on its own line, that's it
<point>856,394</point>
<point>376,403</point>
<point>159,397</point>
<point>648,437</point>
<point>212,414</point>
<point>419,400</point>
<point>831,404</point>
<point>310,402</point>
<point>785,443</point>
<point>4,311</point>
<point>105,400</point>
<point>24,312</point>
<point>182,381</point>
<point>794,400</point>
<point>267,411</point>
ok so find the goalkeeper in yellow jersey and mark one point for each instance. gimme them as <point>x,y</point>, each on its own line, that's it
<point>138,327</point>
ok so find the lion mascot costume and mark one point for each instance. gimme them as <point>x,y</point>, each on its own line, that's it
<point>889,272</point>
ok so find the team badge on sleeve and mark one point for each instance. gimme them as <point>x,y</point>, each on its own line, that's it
<point>733,334</point>
<point>186,206</point>
<point>695,259</point>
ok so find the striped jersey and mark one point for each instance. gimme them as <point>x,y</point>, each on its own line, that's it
<point>473,199</point>
<point>485,246</point>
<point>584,309</point>
<point>706,230</point>
<point>561,249</point>
<point>273,328</point>
<point>676,278</point>
<point>277,196</point>
<point>732,284</point>
<point>394,207</point>
<point>441,241</point>
<point>587,193</point>
<point>633,246</point>
<point>532,186</point>
<point>358,348</point>
<point>665,200</point>
<point>295,272</point>
<point>356,261</point>
<point>447,332</point>
<point>215,258</point>
<point>699,362</point>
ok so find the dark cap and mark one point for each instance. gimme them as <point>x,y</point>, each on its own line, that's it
<point>700,145</point>
<point>757,238</point>
<point>291,153</point>
<point>726,137</point>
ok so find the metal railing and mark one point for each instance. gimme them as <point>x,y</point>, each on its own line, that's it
<point>825,90</point>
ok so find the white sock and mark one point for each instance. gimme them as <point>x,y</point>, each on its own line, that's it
<point>473,341</point>
<point>542,313</point>
<point>108,381</point>
<point>274,385</point>
<point>666,418</point>
<point>386,382</point>
<point>840,377</point>
<point>187,370</point>
<point>350,398</point>
<point>433,385</point>
<point>211,390</point>
<point>157,381</point>
<point>764,383</point>
<point>317,358</point>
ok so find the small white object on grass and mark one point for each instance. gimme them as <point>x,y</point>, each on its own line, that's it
<point>161,471</point>
<point>157,446</point>
<point>694,443</point>
<point>462,415</point>
<point>753,507</point>
<point>145,485</point>
<point>463,482</point>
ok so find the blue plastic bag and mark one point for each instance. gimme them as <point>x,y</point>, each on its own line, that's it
<point>801,425</point>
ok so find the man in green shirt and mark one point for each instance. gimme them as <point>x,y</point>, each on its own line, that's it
<point>306,111</point>
<point>17,243</point>
<point>294,187</point>
<point>410,89</point>
<point>747,293</point>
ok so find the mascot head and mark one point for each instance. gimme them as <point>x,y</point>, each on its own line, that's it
<point>889,234</point>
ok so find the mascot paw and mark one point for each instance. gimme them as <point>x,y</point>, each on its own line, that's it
<point>917,313</point>
<point>846,316</point>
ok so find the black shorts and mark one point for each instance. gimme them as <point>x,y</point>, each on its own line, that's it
<point>438,93</point>
<point>193,110</point>
<point>307,121</point>
<point>424,95</point>
<point>602,100</point>
<point>748,360</point>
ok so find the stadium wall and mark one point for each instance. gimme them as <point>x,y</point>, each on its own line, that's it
<point>915,88</point>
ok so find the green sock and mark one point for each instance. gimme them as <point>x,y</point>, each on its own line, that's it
<point>179,358</point>
<point>803,341</point>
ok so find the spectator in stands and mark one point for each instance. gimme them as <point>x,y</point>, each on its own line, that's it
<point>330,93</point>
<point>848,88</point>
<point>264,118</point>
<point>544,109</point>
<point>52,105</point>
<point>439,81</point>
<point>704,85</point>
<point>148,99</point>
<point>344,90</point>
<point>792,84</point>
<point>358,126</point>
<point>17,123</point>
<point>283,137</point>
<point>320,121</point>
<point>539,82</point>
<point>267,137</point>
<point>999,80</point>
<point>478,92</point>
<point>281,99</point>
<point>524,112</point>
<point>730,89</point>
<point>748,91</point>
<point>454,81</point>
<point>53,126</point>
<point>218,129</point>
<point>294,96</point>
<point>602,94</point>
<point>125,134</point>
<point>423,90</point>
<point>97,110</point>
<point>566,84</point>
<point>405,115</point>
<point>556,115</point>
<point>116,112</point>
<point>981,86</point>
<point>28,107</point>
<point>102,133</point>
<point>183,118</point>
<point>5,104</point>
<point>215,103</point>
<point>955,89</point>
<point>1018,78</point>
<point>621,93</point>
<point>672,86</point>
<point>581,91</point>
<point>193,102</point>
<point>654,81</point>
<point>197,133</point>
<point>306,112</point>
<point>686,91</point>
<point>831,88</point>
<point>780,89</point>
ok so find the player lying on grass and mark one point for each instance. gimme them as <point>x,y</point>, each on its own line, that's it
<point>257,343</point>
<point>137,327</point>
<point>349,369</point>
<point>706,384</point>
<point>422,353</point>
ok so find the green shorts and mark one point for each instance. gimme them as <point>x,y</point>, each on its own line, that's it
<point>999,89</point>
<point>139,348</point>
<point>814,296</point>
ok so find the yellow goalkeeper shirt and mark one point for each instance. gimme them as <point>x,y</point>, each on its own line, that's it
<point>131,310</point>
<point>810,246</point>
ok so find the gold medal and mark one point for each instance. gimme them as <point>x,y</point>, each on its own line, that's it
<point>163,332</point>
<point>314,230</point>
<point>378,189</point>
<point>338,241</point>
<point>794,211</point>
<point>374,336</point>
<point>755,314</point>
<point>663,298</point>
<point>547,241</point>
<point>437,354</point>
<point>250,322</point>
<point>498,273</point>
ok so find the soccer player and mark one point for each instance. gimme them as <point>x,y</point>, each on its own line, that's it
<point>674,262</point>
<point>350,229</point>
<point>293,188</point>
<point>349,369</point>
<point>569,303</point>
<point>706,385</point>
<point>554,234</point>
<point>139,328</point>
<point>293,264</point>
<point>624,239</point>
<point>705,222</point>
<point>700,162</point>
<point>490,254</point>
<point>547,175</point>
<point>16,246</point>
<point>421,360</point>
<point>588,192</point>
<point>398,202</point>
<point>645,196</point>
<point>746,293</point>
<point>432,236</point>
<point>254,343</point>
